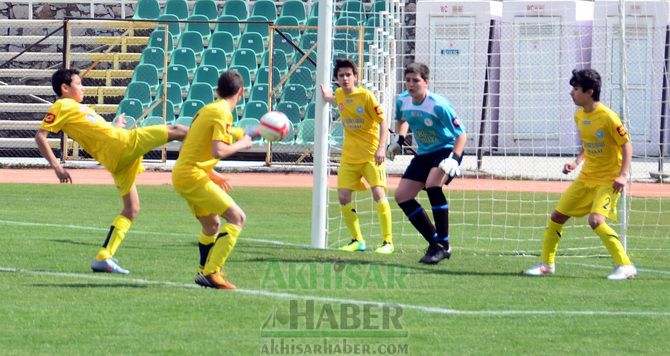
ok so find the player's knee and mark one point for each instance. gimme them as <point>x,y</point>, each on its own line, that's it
<point>596,220</point>
<point>236,216</point>
<point>131,212</point>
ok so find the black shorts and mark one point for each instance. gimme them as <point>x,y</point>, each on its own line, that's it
<point>420,166</point>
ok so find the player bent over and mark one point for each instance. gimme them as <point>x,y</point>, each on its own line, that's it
<point>365,133</point>
<point>120,151</point>
<point>607,153</point>
<point>441,139</point>
<point>211,138</point>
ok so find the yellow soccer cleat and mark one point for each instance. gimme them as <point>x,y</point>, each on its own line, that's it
<point>386,248</point>
<point>353,246</point>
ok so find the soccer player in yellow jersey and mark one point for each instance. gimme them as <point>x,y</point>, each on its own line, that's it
<point>211,138</point>
<point>363,153</point>
<point>120,151</point>
<point>606,152</point>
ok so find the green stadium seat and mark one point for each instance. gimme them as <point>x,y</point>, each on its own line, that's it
<point>252,41</point>
<point>152,121</point>
<point>184,120</point>
<point>291,110</point>
<point>200,27</point>
<point>262,76</point>
<point>206,8</point>
<point>246,58</point>
<point>250,123</point>
<point>229,25</point>
<point>295,8</point>
<point>377,7</point>
<point>131,107</point>
<point>259,92</point>
<point>265,8</point>
<point>255,109</point>
<point>285,45</point>
<point>201,91</point>
<point>305,133</point>
<point>206,74</point>
<point>222,41</point>
<point>237,8</point>
<point>185,57</point>
<point>345,44</point>
<point>157,40</point>
<point>310,113</point>
<point>290,138</point>
<point>337,134</point>
<point>258,24</point>
<point>158,112</point>
<point>178,8</point>
<point>296,93</point>
<point>308,40</point>
<point>214,57</point>
<point>311,21</point>
<point>173,94</point>
<point>238,109</point>
<point>191,107</point>
<point>244,72</point>
<point>178,74</point>
<point>288,21</point>
<point>346,21</point>
<point>147,10</point>
<point>140,91</point>
<point>130,121</point>
<point>302,76</point>
<point>146,73</point>
<point>173,27</point>
<point>154,56</point>
<point>355,9</point>
<point>192,40</point>
<point>278,60</point>
<point>314,10</point>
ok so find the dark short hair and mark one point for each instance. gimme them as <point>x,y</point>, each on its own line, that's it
<point>229,83</point>
<point>344,63</point>
<point>60,77</point>
<point>587,79</point>
<point>418,68</point>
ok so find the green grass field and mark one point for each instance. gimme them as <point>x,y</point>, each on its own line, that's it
<point>294,296</point>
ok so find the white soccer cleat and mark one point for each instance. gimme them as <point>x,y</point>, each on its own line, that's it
<point>540,269</point>
<point>622,272</point>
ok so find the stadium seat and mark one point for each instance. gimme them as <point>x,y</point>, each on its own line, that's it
<point>302,76</point>
<point>295,8</point>
<point>222,41</point>
<point>140,91</point>
<point>278,60</point>
<point>158,112</point>
<point>152,120</point>
<point>244,72</point>
<point>178,8</point>
<point>345,44</point>
<point>290,138</point>
<point>305,133</point>
<point>310,113</point>
<point>206,74</point>
<point>146,73</point>
<point>206,8</point>
<point>157,40</point>
<point>265,8</point>
<point>283,44</point>
<point>249,123</point>
<point>237,8</point>
<point>147,10</point>
<point>185,57</point>
<point>252,41</point>
<point>246,58</point>
<point>184,120</point>
<point>201,91</point>
<point>228,25</point>
<point>258,24</point>
<point>178,74</point>
<point>259,92</point>
<point>311,21</point>
<point>262,76</point>
<point>337,134</point>
<point>255,109</point>
<point>191,107</point>
<point>377,7</point>
<point>346,21</point>
<point>192,40</point>
<point>355,9</point>
<point>291,110</point>
<point>314,10</point>
<point>173,27</point>
<point>296,93</point>
<point>131,107</point>
<point>214,57</point>
<point>307,41</point>
<point>198,26</point>
<point>173,94</point>
<point>154,56</point>
<point>288,21</point>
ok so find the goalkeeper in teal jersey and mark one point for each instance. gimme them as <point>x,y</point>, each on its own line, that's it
<point>441,139</point>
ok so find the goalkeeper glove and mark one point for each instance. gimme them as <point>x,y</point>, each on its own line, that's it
<point>450,165</point>
<point>395,148</point>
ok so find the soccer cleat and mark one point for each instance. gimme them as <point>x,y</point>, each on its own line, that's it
<point>386,248</point>
<point>108,265</point>
<point>622,272</point>
<point>435,253</point>
<point>354,245</point>
<point>214,280</point>
<point>540,269</point>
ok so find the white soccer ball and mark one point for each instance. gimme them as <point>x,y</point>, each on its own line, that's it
<point>274,126</point>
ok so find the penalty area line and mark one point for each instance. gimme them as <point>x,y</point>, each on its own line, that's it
<point>286,295</point>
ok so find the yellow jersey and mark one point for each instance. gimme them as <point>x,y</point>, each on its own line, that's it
<point>98,137</point>
<point>602,135</point>
<point>211,123</point>
<point>360,114</point>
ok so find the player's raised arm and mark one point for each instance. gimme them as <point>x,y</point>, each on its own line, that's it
<point>47,153</point>
<point>221,149</point>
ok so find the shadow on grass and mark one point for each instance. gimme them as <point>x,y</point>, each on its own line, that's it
<point>91,285</point>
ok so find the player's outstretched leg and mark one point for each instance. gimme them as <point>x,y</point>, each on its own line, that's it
<point>104,261</point>
<point>211,275</point>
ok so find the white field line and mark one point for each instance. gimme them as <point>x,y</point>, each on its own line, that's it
<point>646,270</point>
<point>284,295</point>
